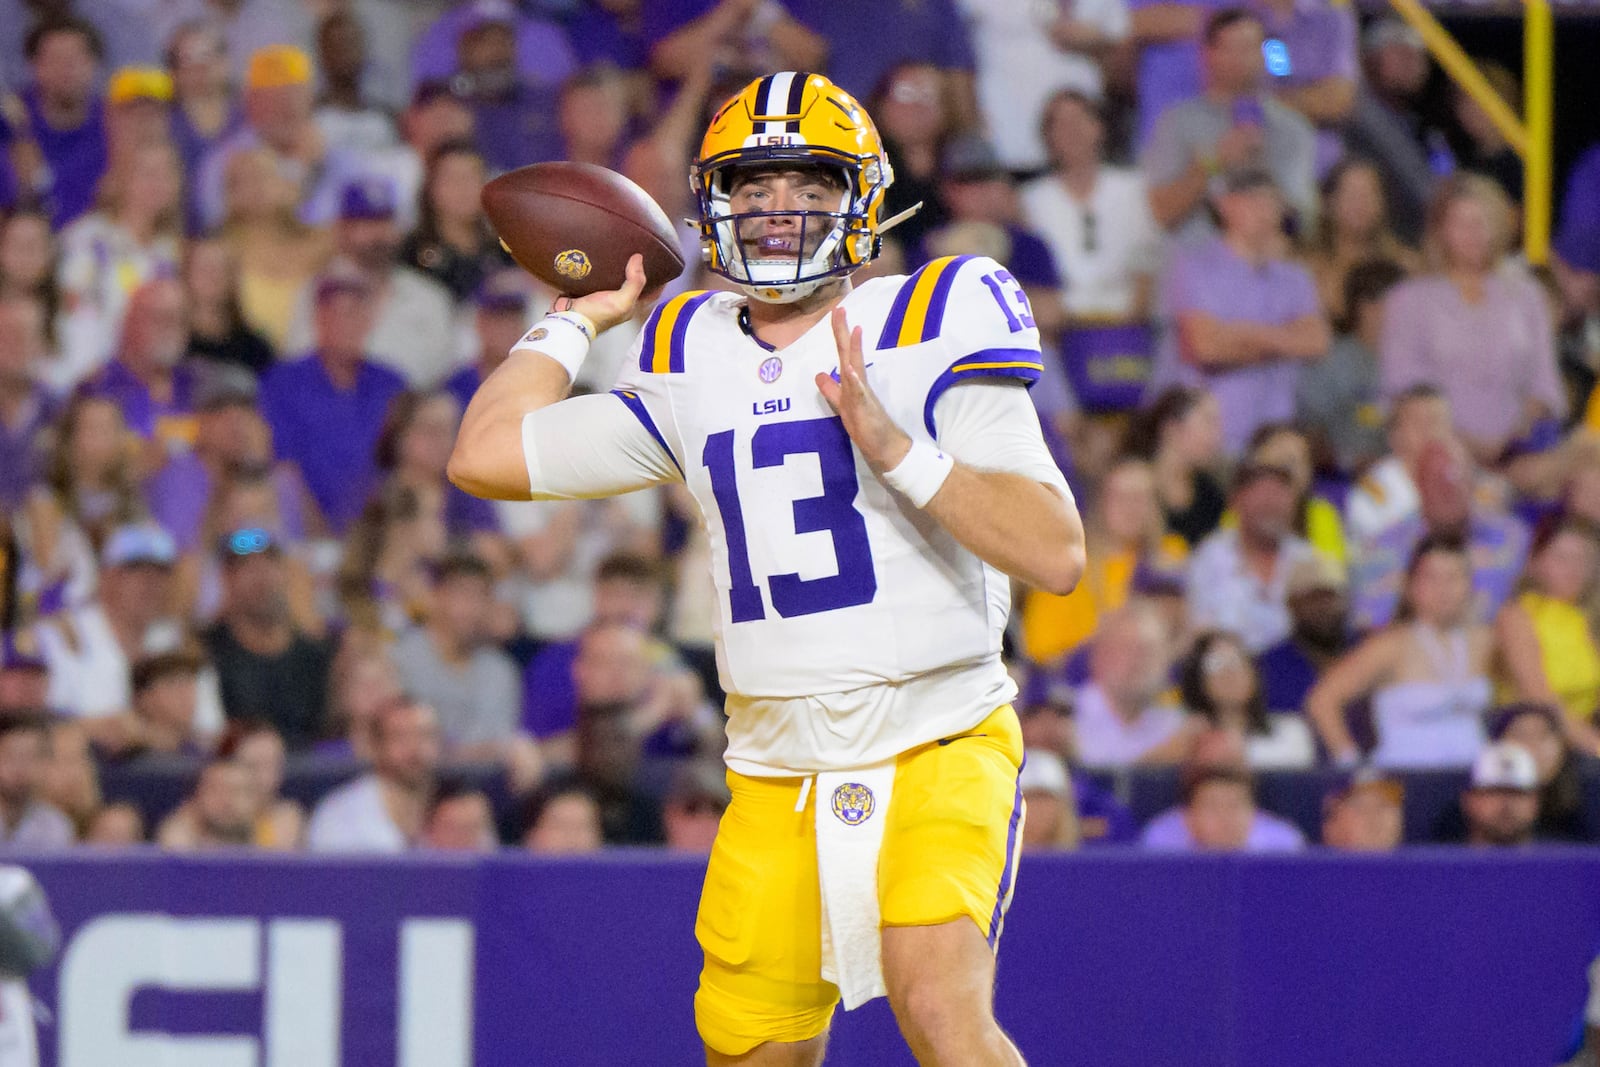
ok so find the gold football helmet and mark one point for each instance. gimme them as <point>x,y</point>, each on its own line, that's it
<point>798,119</point>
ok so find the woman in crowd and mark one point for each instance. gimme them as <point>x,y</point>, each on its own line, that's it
<point>134,234</point>
<point>1181,435</point>
<point>1353,228</point>
<point>1545,636</point>
<point>362,682</point>
<point>385,575</point>
<point>1538,728</point>
<point>1218,682</point>
<point>412,451</point>
<point>28,270</point>
<point>258,748</point>
<point>453,242</point>
<point>915,120</point>
<point>278,255</point>
<point>1427,674</point>
<point>217,330</point>
<point>1125,532</point>
<point>1478,328</point>
<point>204,110</point>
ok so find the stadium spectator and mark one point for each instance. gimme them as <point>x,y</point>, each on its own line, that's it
<point>1426,676</point>
<point>1475,313</point>
<point>1282,445</point>
<point>27,271</point>
<point>345,113</point>
<point>364,681</point>
<point>138,113</point>
<point>220,813</point>
<point>1218,682</point>
<point>613,675</point>
<point>1217,809</point>
<point>1538,728</point>
<point>1498,542</point>
<point>1167,34</point>
<point>459,819</point>
<point>540,48</point>
<point>28,409</point>
<point>218,332</point>
<point>383,811</point>
<point>1545,638</point>
<point>1318,595</point>
<point>278,108</point>
<point>1241,318</point>
<point>1387,492</point>
<point>151,386</point>
<point>499,321</point>
<point>514,113</point>
<point>246,26</point>
<point>411,331</point>
<point>71,782</point>
<point>385,570</point>
<point>943,33</point>
<point>450,664</point>
<point>1180,433</point>
<point>915,120</point>
<point>594,110</point>
<point>1232,128</point>
<point>1126,533</point>
<point>1028,54</point>
<point>1501,803</point>
<point>1121,717</point>
<point>65,116</point>
<point>327,408</point>
<point>27,820</point>
<point>695,799</point>
<point>1387,124</point>
<point>1337,401</point>
<point>268,669</point>
<point>434,117</point>
<point>411,452</point>
<point>119,825</point>
<point>1480,146</point>
<point>1353,228</point>
<point>165,695</point>
<point>748,38</point>
<point>256,746</point>
<point>1238,577</point>
<point>1052,822</point>
<point>453,243</point>
<point>563,820</point>
<point>1364,813</point>
<point>205,108</point>
<point>24,676</point>
<point>1312,66</point>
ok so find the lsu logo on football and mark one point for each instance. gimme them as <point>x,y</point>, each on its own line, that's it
<point>573,263</point>
<point>853,803</point>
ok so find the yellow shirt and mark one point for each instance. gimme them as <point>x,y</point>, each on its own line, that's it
<point>1568,652</point>
<point>1055,625</point>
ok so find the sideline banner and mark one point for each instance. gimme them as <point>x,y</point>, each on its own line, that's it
<point>1111,958</point>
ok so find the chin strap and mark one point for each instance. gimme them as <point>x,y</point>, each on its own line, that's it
<point>889,224</point>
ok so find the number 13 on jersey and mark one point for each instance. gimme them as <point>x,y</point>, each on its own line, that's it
<point>833,512</point>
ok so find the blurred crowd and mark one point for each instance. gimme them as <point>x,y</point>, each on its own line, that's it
<point>1336,442</point>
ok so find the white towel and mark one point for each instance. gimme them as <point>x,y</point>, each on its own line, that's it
<point>852,807</point>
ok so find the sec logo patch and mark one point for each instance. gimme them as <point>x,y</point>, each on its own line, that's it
<point>853,803</point>
<point>573,263</point>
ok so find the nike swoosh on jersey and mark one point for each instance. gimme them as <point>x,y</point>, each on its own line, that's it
<point>834,374</point>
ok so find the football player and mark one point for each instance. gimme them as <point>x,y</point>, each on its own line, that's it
<point>871,475</point>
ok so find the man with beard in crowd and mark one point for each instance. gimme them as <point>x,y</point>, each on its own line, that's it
<point>1318,595</point>
<point>385,810</point>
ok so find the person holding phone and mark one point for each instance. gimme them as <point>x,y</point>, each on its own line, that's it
<point>1231,127</point>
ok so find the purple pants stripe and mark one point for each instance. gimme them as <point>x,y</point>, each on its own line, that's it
<point>1011,861</point>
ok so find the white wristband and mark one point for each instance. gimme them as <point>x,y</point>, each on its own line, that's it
<point>920,474</point>
<point>564,336</point>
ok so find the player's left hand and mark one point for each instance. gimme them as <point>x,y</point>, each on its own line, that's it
<point>882,442</point>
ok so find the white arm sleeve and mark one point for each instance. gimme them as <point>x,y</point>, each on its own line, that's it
<point>990,424</point>
<point>591,446</point>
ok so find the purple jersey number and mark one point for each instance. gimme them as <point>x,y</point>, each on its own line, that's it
<point>1007,290</point>
<point>834,513</point>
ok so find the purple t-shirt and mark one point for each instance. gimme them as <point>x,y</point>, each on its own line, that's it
<point>543,52</point>
<point>22,453</point>
<point>1170,71</point>
<point>1211,277</point>
<point>77,157</point>
<point>330,433</point>
<point>518,129</point>
<point>144,414</point>
<point>549,695</point>
<point>1268,833</point>
<point>931,31</point>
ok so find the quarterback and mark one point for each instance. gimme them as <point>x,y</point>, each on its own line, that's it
<point>871,475</point>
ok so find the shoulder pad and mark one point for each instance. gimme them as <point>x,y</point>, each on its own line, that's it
<point>918,309</point>
<point>664,330</point>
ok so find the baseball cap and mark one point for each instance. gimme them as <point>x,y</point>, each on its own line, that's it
<point>249,541</point>
<point>1314,573</point>
<point>503,292</point>
<point>132,545</point>
<point>1505,765</point>
<point>342,279</point>
<point>1362,779</point>
<point>971,158</point>
<point>276,66</point>
<point>372,197</point>
<point>139,83</point>
<point>1043,772</point>
<point>226,386</point>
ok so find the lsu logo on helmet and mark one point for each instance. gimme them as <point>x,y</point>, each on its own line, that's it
<point>853,803</point>
<point>797,119</point>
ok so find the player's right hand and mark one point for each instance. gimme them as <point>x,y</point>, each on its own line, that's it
<point>608,309</point>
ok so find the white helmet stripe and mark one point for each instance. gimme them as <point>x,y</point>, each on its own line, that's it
<point>775,101</point>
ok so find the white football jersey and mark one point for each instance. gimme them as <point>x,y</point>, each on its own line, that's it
<point>827,581</point>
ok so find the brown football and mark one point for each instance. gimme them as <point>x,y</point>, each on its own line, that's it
<point>574,225</point>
